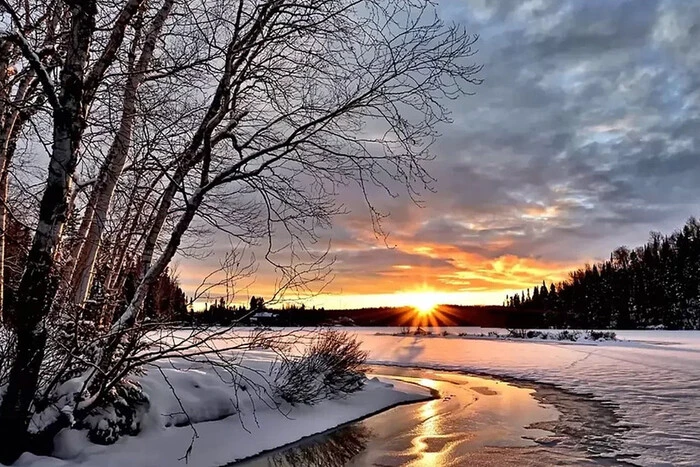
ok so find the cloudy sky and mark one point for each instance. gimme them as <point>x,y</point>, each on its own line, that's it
<point>583,137</point>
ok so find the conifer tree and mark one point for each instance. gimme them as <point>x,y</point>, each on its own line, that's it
<point>657,284</point>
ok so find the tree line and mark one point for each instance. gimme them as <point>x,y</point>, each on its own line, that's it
<point>257,313</point>
<point>165,301</point>
<point>653,285</point>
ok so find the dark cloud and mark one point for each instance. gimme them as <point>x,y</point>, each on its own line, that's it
<point>588,109</point>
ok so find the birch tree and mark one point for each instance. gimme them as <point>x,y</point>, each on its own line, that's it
<point>95,217</point>
<point>68,99</point>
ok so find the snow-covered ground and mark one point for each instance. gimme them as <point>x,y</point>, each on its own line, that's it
<point>233,420</point>
<point>653,377</point>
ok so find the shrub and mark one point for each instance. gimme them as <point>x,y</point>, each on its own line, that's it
<point>120,414</point>
<point>601,335</point>
<point>567,335</point>
<point>516,333</point>
<point>332,366</point>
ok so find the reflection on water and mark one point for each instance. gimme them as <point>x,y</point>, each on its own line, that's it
<point>475,421</point>
<point>429,431</point>
<point>334,449</point>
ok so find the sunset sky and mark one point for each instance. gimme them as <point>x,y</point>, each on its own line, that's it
<point>583,137</point>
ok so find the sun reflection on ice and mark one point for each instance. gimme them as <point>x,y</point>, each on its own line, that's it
<point>430,443</point>
<point>427,431</point>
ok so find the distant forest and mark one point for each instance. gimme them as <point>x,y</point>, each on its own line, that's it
<point>220,314</point>
<point>652,286</point>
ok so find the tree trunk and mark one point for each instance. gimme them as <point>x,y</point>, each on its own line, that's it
<point>114,164</point>
<point>4,64</point>
<point>3,223</point>
<point>35,292</point>
<point>159,266</point>
<point>121,325</point>
<point>10,126</point>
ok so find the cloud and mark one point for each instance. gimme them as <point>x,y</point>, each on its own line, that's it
<point>584,136</point>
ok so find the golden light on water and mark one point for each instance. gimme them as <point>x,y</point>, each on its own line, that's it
<point>429,432</point>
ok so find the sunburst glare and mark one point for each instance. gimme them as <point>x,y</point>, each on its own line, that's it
<point>424,304</point>
<point>424,309</point>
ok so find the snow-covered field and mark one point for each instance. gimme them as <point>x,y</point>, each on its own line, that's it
<point>653,377</point>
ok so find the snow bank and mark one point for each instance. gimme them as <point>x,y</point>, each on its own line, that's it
<point>652,377</point>
<point>235,416</point>
<point>518,334</point>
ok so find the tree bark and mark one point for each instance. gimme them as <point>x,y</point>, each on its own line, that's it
<point>10,127</point>
<point>130,315</point>
<point>35,292</point>
<point>4,98</point>
<point>114,164</point>
<point>3,223</point>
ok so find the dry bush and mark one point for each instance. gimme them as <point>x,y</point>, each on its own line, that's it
<point>120,414</point>
<point>332,366</point>
<point>601,335</point>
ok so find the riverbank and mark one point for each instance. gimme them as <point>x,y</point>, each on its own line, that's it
<point>231,419</point>
<point>646,383</point>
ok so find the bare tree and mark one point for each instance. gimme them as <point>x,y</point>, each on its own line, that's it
<point>68,99</point>
<point>243,115</point>
<point>94,219</point>
<point>19,100</point>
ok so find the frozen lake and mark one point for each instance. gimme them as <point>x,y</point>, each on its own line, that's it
<point>650,379</point>
<point>502,402</point>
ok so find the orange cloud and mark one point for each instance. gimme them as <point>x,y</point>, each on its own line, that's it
<point>450,274</point>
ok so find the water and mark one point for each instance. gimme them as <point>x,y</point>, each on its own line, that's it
<point>475,421</point>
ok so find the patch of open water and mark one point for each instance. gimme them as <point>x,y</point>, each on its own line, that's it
<point>474,421</point>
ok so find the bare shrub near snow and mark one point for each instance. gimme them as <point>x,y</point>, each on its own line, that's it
<point>601,335</point>
<point>563,335</point>
<point>567,335</point>
<point>120,414</point>
<point>332,366</point>
<point>120,410</point>
<point>517,333</point>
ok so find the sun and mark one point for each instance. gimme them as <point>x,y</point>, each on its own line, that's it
<point>424,303</point>
<point>425,308</point>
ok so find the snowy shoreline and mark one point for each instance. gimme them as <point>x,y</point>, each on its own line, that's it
<point>433,395</point>
<point>222,436</point>
<point>481,418</point>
